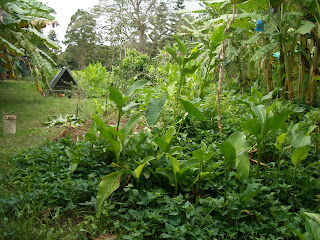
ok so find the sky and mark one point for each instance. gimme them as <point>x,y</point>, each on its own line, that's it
<point>66,8</point>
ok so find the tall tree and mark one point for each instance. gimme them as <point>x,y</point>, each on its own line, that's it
<point>81,37</point>
<point>134,15</point>
<point>141,24</point>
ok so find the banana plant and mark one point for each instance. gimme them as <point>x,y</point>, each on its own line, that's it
<point>235,152</point>
<point>111,182</point>
<point>21,22</point>
<point>184,61</point>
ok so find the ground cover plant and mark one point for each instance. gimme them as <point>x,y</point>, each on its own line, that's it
<point>214,139</point>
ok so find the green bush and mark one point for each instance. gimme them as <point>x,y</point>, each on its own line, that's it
<point>94,80</point>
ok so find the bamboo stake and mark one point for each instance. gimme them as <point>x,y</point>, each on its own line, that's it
<point>221,70</point>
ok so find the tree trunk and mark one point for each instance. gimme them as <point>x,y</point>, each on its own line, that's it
<point>221,71</point>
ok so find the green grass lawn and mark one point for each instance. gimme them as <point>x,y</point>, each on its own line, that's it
<point>21,98</point>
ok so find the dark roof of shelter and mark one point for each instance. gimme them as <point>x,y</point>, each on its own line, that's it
<point>62,81</point>
<point>63,76</point>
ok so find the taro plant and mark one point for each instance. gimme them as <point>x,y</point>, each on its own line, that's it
<point>202,155</point>
<point>118,138</point>
<point>300,144</point>
<point>312,227</point>
<point>121,99</point>
<point>280,146</point>
<point>261,121</point>
<point>235,152</point>
<point>111,182</point>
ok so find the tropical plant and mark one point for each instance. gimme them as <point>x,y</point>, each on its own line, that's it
<point>182,61</point>
<point>20,31</point>
<point>235,152</point>
<point>262,120</point>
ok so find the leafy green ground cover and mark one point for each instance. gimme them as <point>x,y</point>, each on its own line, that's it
<point>179,179</point>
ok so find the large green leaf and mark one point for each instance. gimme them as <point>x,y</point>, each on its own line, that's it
<point>228,152</point>
<point>127,129</point>
<point>193,55</point>
<point>173,55</point>
<point>167,173</point>
<point>313,229</point>
<point>261,52</point>
<point>174,163</point>
<point>252,126</point>
<point>238,140</point>
<point>130,106</point>
<point>276,122</point>
<point>11,47</point>
<point>115,143</point>
<point>280,141</point>
<point>108,185</point>
<point>181,46</point>
<point>190,163</point>
<point>299,234</point>
<point>254,5</point>
<point>202,156</point>
<point>260,112</point>
<point>134,87</point>
<point>300,140</point>
<point>97,122</point>
<point>299,155</point>
<point>190,70</point>
<point>310,129</point>
<point>43,37</point>
<point>161,143</point>
<point>72,154</point>
<point>243,165</point>
<point>254,38</point>
<point>192,109</point>
<point>138,170</point>
<point>306,27</point>
<point>154,110</point>
<point>116,96</point>
<point>314,216</point>
<point>169,134</point>
<point>217,37</point>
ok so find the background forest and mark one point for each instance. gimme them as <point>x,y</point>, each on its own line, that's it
<point>196,124</point>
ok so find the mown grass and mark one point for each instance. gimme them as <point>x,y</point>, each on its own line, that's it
<point>21,98</point>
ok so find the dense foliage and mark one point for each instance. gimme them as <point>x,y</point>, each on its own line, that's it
<point>212,139</point>
<point>20,36</point>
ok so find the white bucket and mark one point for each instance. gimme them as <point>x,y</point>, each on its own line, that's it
<point>9,124</point>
